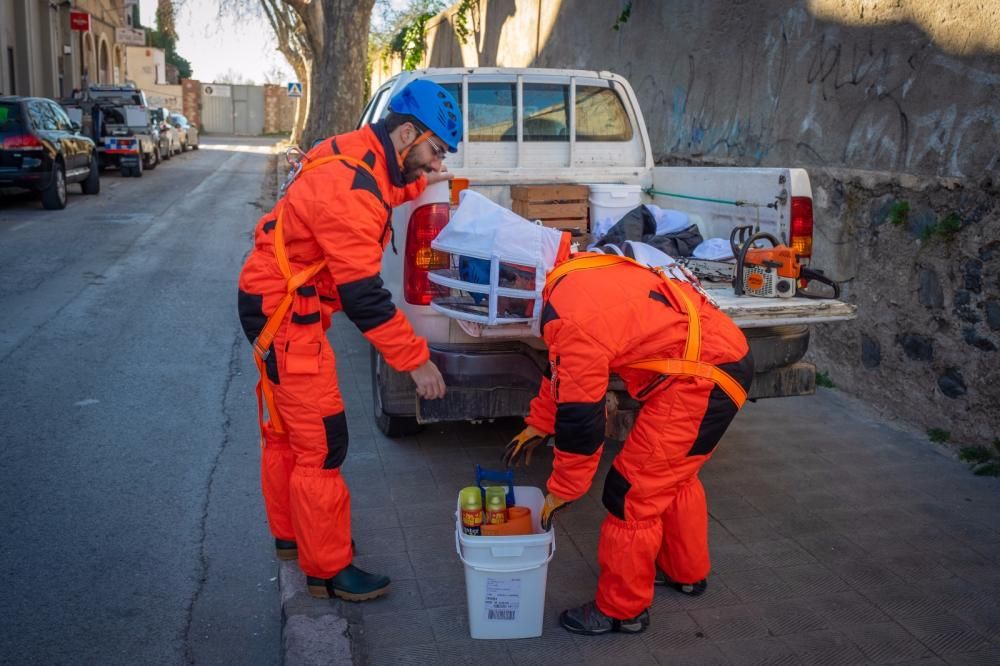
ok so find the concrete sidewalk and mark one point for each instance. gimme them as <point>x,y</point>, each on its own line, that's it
<point>836,539</point>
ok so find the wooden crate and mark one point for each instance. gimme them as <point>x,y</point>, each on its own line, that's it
<point>561,207</point>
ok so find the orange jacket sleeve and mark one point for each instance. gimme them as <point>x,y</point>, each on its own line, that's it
<point>400,195</point>
<point>350,228</point>
<point>542,411</point>
<point>577,388</point>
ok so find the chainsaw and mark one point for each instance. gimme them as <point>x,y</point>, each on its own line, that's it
<point>773,272</point>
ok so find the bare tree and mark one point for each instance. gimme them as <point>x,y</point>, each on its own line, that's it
<point>290,32</point>
<point>326,43</point>
<point>233,77</point>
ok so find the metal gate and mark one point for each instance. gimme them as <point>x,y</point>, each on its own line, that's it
<point>230,109</point>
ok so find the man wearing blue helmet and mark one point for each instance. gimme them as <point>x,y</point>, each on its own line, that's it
<point>317,252</point>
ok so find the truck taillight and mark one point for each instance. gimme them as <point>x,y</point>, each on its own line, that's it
<point>425,224</point>
<point>22,142</point>
<point>801,238</point>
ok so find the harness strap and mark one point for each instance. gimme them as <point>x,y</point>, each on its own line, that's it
<point>262,344</point>
<point>678,366</point>
<point>691,365</point>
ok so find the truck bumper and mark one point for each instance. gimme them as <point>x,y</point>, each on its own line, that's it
<point>483,384</point>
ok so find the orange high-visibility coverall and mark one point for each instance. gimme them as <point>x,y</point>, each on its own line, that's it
<point>339,213</point>
<point>597,321</point>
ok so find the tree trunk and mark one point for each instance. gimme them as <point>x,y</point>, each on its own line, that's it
<point>302,73</point>
<point>338,32</point>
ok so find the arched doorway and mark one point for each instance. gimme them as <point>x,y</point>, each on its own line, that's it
<point>119,68</point>
<point>88,69</point>
<point>104,66</point>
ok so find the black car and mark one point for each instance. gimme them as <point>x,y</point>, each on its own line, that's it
<point>41,149</point>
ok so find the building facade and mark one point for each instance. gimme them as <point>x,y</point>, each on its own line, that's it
<point>45,49</point>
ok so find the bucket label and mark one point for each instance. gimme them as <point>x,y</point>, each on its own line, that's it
<point>503,597</point>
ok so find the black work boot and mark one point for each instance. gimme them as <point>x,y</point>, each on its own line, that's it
<point>590,621</point>
<point>289,550</point>
<point>351,584</point>
<point>285,549</point>
<point>690,589</point>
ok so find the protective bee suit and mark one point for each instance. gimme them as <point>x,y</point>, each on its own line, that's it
<point>690,366</point>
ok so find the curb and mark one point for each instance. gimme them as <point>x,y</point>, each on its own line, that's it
<point>314,632</point>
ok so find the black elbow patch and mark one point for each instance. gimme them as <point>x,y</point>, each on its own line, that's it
<point>548,314</point>
<point>367,303</point>
<point>251,310</point>
<point>580,427</point>
<point>269,226</point>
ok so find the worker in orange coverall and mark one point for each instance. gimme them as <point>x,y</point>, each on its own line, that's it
<point>317,252</point>
<point>690,366</point>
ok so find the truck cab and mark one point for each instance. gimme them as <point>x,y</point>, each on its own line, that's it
<point>554,127</point>
<point>119,121</point>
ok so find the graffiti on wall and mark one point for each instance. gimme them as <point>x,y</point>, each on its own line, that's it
<point>822,94</point>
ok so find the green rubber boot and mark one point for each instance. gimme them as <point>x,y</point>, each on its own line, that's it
<point>351,584</point>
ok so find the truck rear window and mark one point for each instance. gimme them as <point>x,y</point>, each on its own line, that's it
<point>600,115</point>
<point>492,112</point>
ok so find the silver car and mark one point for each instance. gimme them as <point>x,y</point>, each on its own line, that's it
<point>188,132</point>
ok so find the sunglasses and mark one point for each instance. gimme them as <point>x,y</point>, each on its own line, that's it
<point>439,152</point>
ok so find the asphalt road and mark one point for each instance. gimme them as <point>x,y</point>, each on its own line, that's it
<point>133,529</point>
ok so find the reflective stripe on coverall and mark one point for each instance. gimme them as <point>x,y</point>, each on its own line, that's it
<point>335,223</point>
<point>606,314</point>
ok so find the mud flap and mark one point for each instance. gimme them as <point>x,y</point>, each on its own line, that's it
<point>474,404</point>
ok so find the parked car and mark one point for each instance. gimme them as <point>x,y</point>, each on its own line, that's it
<point>188,132</point>
<point>169,138</point>
<point>41,149</point>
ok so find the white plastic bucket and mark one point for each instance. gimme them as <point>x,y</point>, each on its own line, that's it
<point>505,576</point>
<point>610,203</point>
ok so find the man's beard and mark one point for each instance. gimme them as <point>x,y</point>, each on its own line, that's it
<point>412,170</point>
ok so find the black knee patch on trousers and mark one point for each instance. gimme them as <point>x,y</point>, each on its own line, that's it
<point>721,409</point>
<point>616,486</point>
<point>336,440</point>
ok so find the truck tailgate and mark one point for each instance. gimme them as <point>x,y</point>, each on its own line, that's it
<point>756,312</point>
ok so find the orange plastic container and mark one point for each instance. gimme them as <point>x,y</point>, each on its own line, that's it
<point>518,523</point>
<point>457,185</point>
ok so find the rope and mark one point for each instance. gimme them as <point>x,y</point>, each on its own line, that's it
<point>738,202</point>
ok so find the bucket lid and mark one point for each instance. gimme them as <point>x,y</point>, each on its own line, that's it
<point>613,188</point>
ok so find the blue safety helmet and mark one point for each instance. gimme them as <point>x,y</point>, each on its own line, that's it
<point>434,107</point>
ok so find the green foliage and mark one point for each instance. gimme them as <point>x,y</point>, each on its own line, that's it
<point>991,468</point>
<point>461,18</point>
<point>983,460</point>
<point>624,16</point>
<point>938,436</point>
<point>949,225</point>
<point>899,213</point>
<point>946,228</point>
<point>409,43</point>
<point>823,379</point>
<point>974,454</point>
<point>165,37</point>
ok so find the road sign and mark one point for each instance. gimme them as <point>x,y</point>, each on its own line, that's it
<point>216,90</point>
<point>295,89</point>
<point>130,36</point>
<point>79,21</point>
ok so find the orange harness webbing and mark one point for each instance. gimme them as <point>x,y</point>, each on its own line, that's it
<point>691,365</point>
<point>262,344</point>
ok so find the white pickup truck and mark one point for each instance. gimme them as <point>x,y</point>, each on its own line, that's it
<point>555,126</point>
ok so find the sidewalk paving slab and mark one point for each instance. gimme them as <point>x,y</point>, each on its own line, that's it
<point>836,539</point>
